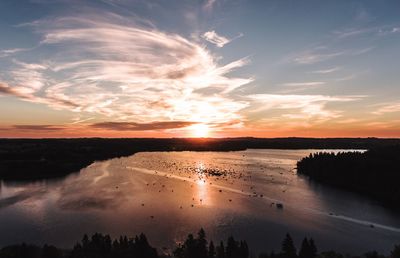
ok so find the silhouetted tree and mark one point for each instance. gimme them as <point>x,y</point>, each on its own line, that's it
<point>231,248</point>
<point>20,251</point>
<point>288,248</point>
<point>193,247</point>
<point>245,252</point>
<point>201,245</point>
<point>330,254</point>
<point>308,249</point>
<point>211,250</point>
<point>313,248</point>
<point>304,249</point>
<point>373,254</point>
<point>50,252</point>
<point>142,247</point>
<point>221,250</point>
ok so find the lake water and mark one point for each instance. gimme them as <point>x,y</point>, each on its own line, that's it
<point>167,195</point>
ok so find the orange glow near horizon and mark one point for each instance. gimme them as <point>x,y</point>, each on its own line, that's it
<point>203,130</point>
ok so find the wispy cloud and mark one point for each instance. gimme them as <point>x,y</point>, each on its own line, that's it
<point>38,127</point>
<point>325,71</point>
<point>5,89</point>
<point>293,87</point>
<point>132,126</point>
<point>8,52</point>
<point>214,38</point>
<point>318,55</point>
<point>109,65</point>
<point>311,107</point>
<point>79,120</point>
<point>311,57</point>
<point>387,108</point>
<point>218,40</point>
<point>384,30</point>
<point>303,84</point>
<point>350,32</point>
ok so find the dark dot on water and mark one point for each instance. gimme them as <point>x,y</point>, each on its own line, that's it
<point>152,217</point>
<point>142,204</point>
<point>192,205</point>
<point>230,200</point>
<point>220,191</point>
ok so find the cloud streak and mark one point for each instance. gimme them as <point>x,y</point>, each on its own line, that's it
<point>38,127</point>
<point>303,84</point>
<point>326,71</point>
<point>132,126</point>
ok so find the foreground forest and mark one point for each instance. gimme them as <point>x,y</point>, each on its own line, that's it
<point>374,173</point>
<point>102,246</point>
<point>26,159</point>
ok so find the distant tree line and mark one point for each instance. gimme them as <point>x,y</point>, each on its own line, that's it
<point>375,173</point>
<point>26,159</point>
<point>103,246</point>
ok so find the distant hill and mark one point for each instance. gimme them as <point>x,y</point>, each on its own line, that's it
<point>374,173</point>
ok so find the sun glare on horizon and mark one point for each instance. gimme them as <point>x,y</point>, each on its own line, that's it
<point>200,130</point>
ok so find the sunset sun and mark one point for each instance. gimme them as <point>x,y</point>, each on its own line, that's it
<point>199,130</point>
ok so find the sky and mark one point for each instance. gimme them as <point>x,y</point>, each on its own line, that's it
<point>199,68</point>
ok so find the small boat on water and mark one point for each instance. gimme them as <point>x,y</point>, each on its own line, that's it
<point>279,205</point>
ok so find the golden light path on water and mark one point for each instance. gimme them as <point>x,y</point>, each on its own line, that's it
<point>202,193</point>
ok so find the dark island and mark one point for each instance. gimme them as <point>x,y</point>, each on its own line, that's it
<point>27,159</point>
<point>374,173</point>
<point>103,246</point>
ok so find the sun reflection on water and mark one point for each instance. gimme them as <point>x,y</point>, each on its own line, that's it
<point>202,187</point>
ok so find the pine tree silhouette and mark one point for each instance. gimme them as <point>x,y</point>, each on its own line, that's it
<point>211,250</point>
<point>288,248</point>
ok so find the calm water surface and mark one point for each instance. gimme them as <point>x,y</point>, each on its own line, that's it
<point>170,194</point>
